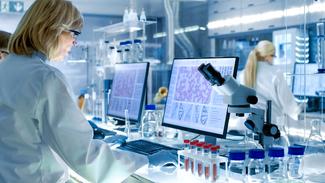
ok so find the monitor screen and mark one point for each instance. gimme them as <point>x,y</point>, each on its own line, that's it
<point>128,90</point>
<point>307,82</point>
<point>192,104</point>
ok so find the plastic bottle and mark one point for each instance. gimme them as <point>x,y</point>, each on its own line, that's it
<point>126,16</point>
<point>143,17</point>
<point>256,166</point>
<point>133,17</point>
<point>148,124</point>
<point>236,166</point>
<point>295,155</point>
<point>276,165</point>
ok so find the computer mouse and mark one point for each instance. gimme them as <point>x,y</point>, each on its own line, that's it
<point>168,168</point>
<point>169,165</point>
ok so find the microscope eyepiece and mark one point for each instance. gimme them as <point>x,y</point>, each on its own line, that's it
<point>210,74</point>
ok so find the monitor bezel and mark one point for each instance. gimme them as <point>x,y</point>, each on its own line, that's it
<point>142,100</point>
<point>224,134</point>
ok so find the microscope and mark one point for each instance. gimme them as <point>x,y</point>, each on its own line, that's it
<point>239,98</point>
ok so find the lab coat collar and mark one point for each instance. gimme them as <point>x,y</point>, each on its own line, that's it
<point>40,55</point>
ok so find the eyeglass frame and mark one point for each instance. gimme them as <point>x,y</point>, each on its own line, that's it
<point>74,33</point>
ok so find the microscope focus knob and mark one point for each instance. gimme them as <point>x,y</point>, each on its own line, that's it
<point>252,99</point>
<point>271,130</point>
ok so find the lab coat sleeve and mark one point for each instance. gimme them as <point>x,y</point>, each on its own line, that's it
<point>64,128</point>
<point>285,97</point>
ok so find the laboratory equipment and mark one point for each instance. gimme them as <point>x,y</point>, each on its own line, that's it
<point>276,165</point>
<point>138,50</point>
<point>145,147</point>
<point>256,166</point>
<point>206,161</point>
<point>236,166</point>
<point>320,30</point>
<point>191,104</point>
<point>128,91</point>
<point>295,155</point>
<point>214,163</point>
<point>143,17</point>
<point>239,98</point>
<point>315,142</point>
<point>199,161</point>
<point>148,122</point>
<point>303,73</point>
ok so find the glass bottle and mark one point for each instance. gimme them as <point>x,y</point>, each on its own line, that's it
<point>236,166</point>
<point>276,165</point>
<point>295,155</point>
<point>148,123</point>
<point>256,166</point>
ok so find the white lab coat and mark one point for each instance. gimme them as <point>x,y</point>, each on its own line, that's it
<point>270,85</point>
<point>39,121</point>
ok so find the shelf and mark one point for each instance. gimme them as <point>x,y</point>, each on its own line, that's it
<point>120,28</point>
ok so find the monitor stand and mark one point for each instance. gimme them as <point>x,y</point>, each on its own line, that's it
<point>210,140</point>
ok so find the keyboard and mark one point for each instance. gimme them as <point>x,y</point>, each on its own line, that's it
<point>144,147</point>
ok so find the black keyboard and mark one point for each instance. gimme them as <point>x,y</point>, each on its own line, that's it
<point>144,147</point>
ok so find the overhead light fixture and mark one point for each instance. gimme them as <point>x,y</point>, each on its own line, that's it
<point>180,31</point>
<point>271,15</point>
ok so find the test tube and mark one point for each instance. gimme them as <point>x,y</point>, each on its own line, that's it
<point>186,152</point>
<point>192,155</point>
<point>214,163</point>
<point>206,156</point>
<point>199,156</point>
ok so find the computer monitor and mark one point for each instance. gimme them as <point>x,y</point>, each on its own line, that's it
<point>192,104</point>
<point>307,82</point>
<point>128,91</point>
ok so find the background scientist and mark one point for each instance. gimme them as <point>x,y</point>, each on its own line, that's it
<point>269,82</point>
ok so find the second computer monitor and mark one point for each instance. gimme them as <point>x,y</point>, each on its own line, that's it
<point>306,81</point>
<point>128,91</point>
<point>192,104</point>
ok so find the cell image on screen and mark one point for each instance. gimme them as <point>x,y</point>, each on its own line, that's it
<point>192,104</point>
<point>306,81</point>
<point>128,90</point>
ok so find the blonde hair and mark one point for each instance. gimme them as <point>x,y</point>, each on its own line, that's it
<point>41,26</point>
<point>259,53</point>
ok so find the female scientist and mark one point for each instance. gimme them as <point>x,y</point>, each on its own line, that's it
<point>269,82</point>
<point>42,131</point>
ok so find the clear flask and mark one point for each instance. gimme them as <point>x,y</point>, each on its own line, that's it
<point>148,123</point>
<point>256,166</point>
<point>315,142</point>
